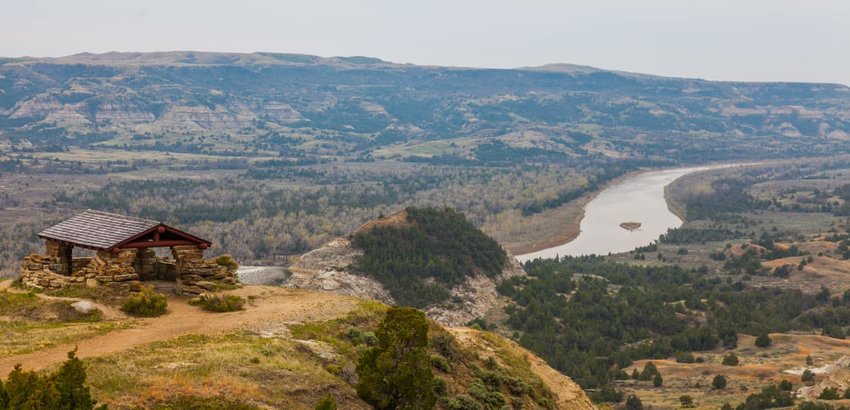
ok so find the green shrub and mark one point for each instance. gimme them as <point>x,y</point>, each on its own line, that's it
<point>687,401</point>
<point>833,331</point>
<point>228,262</point>
<point>445,345</point>
<point>829,393</point>
<point>633,403</point>
<point>326,403</point>
<point>218,303</point>
<point>719,382</point>
<point>440,386</point>
<point>146,303</point>
<point>441,364</point>
<point>807,376</point>
<point>763,340</point>
<point>685,357</point>
<point>490,398</point>
<point>359,337</point>
<point>787,385</point>
<point>657,381</point>
<point>463,402</point>
<point>814,405</point>
<point>731,359</point>
<point>607,394</point>
<point>649,372</point>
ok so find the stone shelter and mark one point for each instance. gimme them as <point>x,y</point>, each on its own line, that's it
<point>124,256</point>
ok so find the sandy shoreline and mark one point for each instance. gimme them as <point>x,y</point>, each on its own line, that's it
<point>574,226</point>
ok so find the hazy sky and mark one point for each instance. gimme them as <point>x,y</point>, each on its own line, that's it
<point>765,40</point>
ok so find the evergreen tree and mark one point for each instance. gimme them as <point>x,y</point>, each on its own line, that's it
<point>649,371</point>
<point>829,393</point>
<point>634,403</point>
<point>4,398</point>
<point>657,381</point>
<point>70,383</point>
<point>28,390</point>
<point>719,382</point>
<point>763,340</point>
<point>807,376</point>
<point>394,373</point>
<point>731,359</point>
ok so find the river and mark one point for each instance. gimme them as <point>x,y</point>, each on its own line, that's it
<point>639,198</point>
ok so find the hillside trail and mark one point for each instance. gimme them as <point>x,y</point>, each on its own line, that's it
<point>267,307</point>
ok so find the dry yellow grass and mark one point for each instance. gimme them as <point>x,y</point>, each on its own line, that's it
<point>758,367</point>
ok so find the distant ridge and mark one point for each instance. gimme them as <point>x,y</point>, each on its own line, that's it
<point>316,109</point>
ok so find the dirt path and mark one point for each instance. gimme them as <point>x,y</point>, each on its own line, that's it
<point>269,307</point>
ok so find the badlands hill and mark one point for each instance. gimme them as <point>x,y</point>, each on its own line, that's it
<point>375,262</point>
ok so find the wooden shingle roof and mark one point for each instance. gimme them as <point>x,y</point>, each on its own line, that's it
<point>104,230</point>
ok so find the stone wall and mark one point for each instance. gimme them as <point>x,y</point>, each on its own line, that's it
<point>123,271</point>
<point>104,269</point>
<point>196,275</point>
<point>112,269</point>
<point>39,271</point>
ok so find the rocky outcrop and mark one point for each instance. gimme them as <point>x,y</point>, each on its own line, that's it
<point>327,269</point>
<point>475,298</point>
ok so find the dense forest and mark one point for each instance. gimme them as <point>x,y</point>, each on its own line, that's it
<point>421,260</point>
<point>258,220</point>
<point>590,318</point>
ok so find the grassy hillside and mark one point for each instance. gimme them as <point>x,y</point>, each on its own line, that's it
<point>287,349</point>
<point>425,252</point>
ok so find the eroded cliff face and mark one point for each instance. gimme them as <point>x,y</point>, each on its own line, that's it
<point>327,269</point>
<point>567,394</point>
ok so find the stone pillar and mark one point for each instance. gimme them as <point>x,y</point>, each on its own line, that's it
<point>145,263</point>
<point>186,257</point>
<point>62,251</point>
